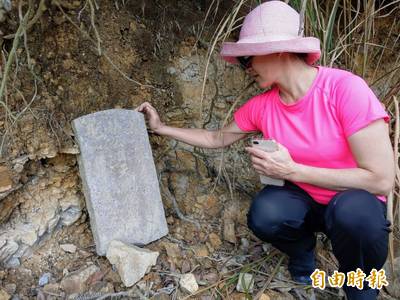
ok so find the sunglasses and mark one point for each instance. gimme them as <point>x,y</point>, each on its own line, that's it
<point>245,61</point>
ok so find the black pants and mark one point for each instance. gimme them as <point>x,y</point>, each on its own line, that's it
<point>354,220</point>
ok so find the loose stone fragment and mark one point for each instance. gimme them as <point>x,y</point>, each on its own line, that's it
<point>5,179</point>
<point>76,282</point>
<point>131,262</point>
<point>188,283</point>
<point>44,279</point>
<point>71,248</point>
<point>4,295</point>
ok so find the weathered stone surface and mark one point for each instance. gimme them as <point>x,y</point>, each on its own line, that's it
<point>5,179</point>
<point>215,240</point>
<point>229,226</point>
<point>71,248</point>
<point>188,283</point>
<point>131,262</point>
<point>76,281</point>
<point>394,284</point>
<point>7,249</point>
<point>119,178</point>
<point>4,295</point>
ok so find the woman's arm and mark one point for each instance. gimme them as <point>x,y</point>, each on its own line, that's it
<point>193,136</point>
<point>371,148</point>
<point>373,152</point>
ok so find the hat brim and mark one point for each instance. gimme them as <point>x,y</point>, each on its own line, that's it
<point>309,45</point>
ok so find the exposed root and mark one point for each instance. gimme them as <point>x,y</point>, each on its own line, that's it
<point>181,216</point>
<point>92,15</point>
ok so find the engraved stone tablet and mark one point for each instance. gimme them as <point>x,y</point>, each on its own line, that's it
<point>119,178</point>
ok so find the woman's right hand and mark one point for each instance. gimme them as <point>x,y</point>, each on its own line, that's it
<point>151,115</point>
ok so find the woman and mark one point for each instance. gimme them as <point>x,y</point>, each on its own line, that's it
<point>334,152</point>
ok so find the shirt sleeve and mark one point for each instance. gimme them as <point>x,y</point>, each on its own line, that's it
<point>248,116</point>
<point>357,105</point>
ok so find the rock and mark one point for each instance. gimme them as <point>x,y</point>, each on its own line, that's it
<point>12,263</point>
<point>44,279</point>
<point>75,282</point>
<point>244,245</point>
<point>211,278</point>
<point>264,297</point>
<point>171,70</point>
<point>394,284</point>
<point>71,248</point>
<point>229,229</point>
<point>4,295</point>
<point>7,206</point>
<point>71,207</point>
<point>266,247</point>
<point>69,150</point>
<point>7,5</point>
<point>186,266</point>
<point>27,234</point>
<point>131,262</point>
<point>237,296</point>
<point>201,251</point>
<point>245,283</point>
<point>119,178</point>
<point>2,15</point>
<point>53,288</point>
<point>215,240</point>
<point>188,283</point>
<point>280,296</point>
<point>173,252</point>
<point>5,179</point>
<point>10,288</point>
<point>7,250</point>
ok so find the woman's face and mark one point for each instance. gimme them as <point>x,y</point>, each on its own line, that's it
<point>265,69</point>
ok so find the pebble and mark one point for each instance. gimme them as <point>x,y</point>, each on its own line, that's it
<point>44,279</point>
<point>10,288</point>
<point>70,248</point>
<point>188,283</point>
<point>4,295</point>
<point>13,263</point>
<point>215,240</point>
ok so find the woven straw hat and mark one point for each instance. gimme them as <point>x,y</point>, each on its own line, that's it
<point>271,27</point>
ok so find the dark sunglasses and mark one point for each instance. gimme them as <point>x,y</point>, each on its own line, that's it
<point>245,61</point>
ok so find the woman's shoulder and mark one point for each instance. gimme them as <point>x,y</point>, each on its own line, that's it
<point>333,78</point>
<point>336,74</point>
<point>265,96</point>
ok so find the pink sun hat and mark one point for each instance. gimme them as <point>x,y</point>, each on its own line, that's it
<point>271,27</point>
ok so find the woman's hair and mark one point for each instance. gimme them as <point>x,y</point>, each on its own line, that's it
<point>302,56</point>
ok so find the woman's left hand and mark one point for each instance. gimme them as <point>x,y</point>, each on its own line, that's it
<point>278,164</point>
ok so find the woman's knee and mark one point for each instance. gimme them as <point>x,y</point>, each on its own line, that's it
<point>269,211</point>
<point>356,212</point>
<point>263,226</point>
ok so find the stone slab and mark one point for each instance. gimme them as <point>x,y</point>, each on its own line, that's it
<point>5,179</point>
<point>119,178</point>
